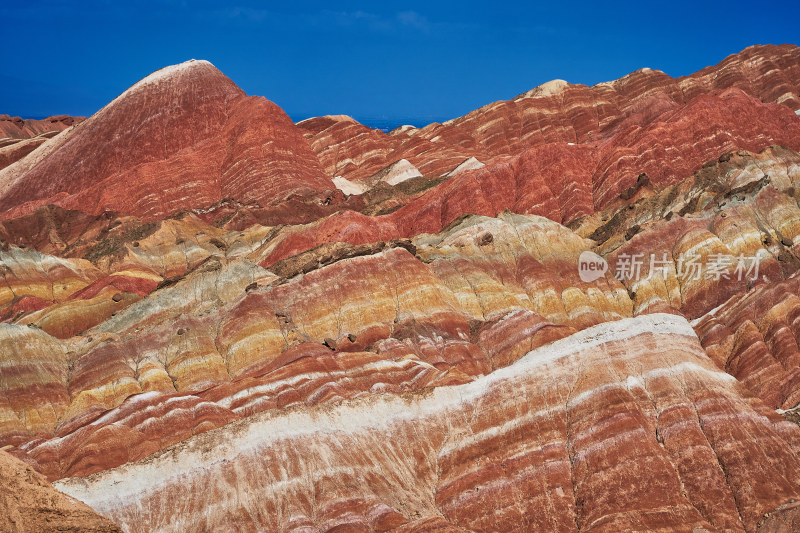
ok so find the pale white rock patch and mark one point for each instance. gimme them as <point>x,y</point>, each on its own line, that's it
<point>408,129</point>
<point>468,164</point>
<point>550,88</point>
<point>397,172</point>
<point>348,187</point>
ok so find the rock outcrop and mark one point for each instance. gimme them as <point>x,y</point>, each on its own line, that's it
<point>566,182</point>
<point>29,503</point>
<point>472,300</point>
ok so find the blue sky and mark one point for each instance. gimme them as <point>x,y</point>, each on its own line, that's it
<point>415,61</point>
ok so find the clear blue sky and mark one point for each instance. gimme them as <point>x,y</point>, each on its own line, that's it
<point>415,61</point>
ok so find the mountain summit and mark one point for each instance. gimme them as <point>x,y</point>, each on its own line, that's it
<point>184,137</point>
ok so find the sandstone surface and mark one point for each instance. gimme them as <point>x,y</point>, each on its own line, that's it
<point>28,503</point>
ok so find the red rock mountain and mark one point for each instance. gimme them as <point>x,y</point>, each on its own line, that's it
<point>20,137</point>
<point>18,128</point>
<point>212,319</point>
<point>556,112</point>
<point>184,137</point>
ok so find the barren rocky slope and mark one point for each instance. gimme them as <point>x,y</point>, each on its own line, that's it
<point>555,442</point>
<point>29,503</point>
<point>19,128</point>
<point>556,112</point>
<point>225,321</point>
<point>20,137</point>
<point>183,137</point>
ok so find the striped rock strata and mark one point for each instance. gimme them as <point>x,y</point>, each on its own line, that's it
<point>565,183</point>
<point>510,451</point>
<point>556,112</point>
<point>742,205</point>
<point>183,137</point>
<point>19,128</point>
<point>243,346</point>
<point>495,281</point>
<point>12,150</point>
<point>231,339</point>
<point>754,336</point>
